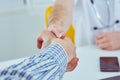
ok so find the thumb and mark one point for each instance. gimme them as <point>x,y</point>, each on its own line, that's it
<point>72,64</point>
<point>44,45</point>
<point>59,33</point>
<point>39,43</point>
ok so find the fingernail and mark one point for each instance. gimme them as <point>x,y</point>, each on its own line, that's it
<point>77,59</point>
<point>61,35</point>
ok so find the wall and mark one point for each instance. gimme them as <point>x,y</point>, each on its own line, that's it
<point>20,26</point>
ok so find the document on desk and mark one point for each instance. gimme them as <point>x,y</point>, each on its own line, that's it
<point>109,64</point>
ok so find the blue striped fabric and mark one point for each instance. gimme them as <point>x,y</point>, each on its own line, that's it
<point>49,64</point>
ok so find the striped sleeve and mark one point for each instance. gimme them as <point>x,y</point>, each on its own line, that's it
<point>48,64</point>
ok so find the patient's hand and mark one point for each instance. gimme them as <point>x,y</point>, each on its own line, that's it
<point>47,37</point>
<point>44,39</point>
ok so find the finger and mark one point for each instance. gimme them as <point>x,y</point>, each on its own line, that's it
<point>104,45</point>
<point>72,64</point>
<point>44,45</point>
<point>39,43</point>
<point>43,39</point>
<point>101,41</point>
<point>46,42</point>
<point>110,48</point>
<point>40,39</point>
<point>58,32</point>
<point>100,36</point>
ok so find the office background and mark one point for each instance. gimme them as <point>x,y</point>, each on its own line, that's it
<point>20,23</point>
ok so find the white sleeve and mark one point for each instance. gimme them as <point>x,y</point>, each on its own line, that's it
<point>75,1</point>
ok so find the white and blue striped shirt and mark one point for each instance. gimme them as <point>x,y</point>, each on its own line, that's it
<point>49,64</point>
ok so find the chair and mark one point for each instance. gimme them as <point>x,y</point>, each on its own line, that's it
<point>71,31</point>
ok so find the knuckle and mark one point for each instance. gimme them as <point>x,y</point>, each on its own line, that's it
<point>107,34</point>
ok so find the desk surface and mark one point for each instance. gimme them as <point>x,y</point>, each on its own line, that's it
<point>88,66</point>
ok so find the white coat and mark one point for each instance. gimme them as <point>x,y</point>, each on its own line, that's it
<point>85,19</point>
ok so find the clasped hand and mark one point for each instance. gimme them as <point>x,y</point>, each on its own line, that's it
<point>47,37</point>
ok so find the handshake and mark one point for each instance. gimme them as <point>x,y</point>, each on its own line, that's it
<point>47,37</point>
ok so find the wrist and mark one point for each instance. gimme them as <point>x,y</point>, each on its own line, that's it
<point>53,27</point>
<point>66,49</point>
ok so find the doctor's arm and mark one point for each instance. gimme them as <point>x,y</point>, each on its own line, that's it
<point>109,41</point>
<point>61,17</point>
<point>59,21</point>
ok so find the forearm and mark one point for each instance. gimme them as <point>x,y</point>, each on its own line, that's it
<point>62,14</point>
<point>49,64</point>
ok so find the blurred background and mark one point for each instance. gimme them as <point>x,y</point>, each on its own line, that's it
<point>20,23</point>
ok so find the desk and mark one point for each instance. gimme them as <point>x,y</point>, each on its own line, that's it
<point>88,66</point>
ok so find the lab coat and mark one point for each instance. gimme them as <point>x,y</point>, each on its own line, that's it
<point>85,19</point>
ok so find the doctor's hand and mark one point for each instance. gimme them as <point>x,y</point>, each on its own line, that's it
<point>57,30</point>
<point>108,41</point>
<point>45,39</point>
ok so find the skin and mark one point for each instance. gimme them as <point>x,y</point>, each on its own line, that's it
<point>108,41</point>
<point>61,17</point>
<point>59,22</point>
<point>67,44</point>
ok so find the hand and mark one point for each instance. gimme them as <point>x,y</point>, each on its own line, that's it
<point>71,52</point>
<point>108,41</point>
<point>68,46</point>
<point>45,39</point>
<point>57,30</point>
<point>72,64</point>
